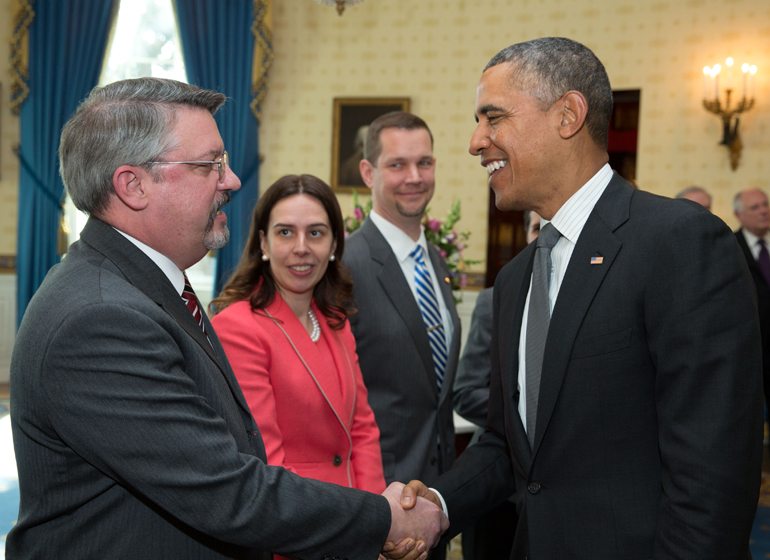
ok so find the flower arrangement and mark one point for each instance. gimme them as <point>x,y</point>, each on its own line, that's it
<point>352,223</point>
<point>439,233</point>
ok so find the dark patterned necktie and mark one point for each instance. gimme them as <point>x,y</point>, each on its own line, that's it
<point>193,305</point>
<point>763,260</point>
<point>431,314</point>
<point>538,319</point>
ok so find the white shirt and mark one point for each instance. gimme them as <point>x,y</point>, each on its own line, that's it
<point>401,245</point>
<point>569,220</point>
<point>753,242</point>
<point>166,265</point>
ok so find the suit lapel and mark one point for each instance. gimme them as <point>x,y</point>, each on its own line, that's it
<point>395,286</point>
<point>144,274</point>
<point>751,261</point>
<point>581,282</point>
<point>508,319</point>
<point>324,376</point>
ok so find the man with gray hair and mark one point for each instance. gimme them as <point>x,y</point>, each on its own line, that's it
<point>625,408</point>
<point>696,194</point>
<point>132,436</point>
<point>751,208</point>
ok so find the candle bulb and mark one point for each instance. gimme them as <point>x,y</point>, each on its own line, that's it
<point>706,74</point>
<point>745,72</point>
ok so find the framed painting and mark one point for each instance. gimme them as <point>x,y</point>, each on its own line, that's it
<point>350,121</point>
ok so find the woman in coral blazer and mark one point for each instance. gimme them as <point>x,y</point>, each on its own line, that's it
<point>282,321</point>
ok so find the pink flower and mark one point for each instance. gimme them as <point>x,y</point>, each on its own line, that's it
<point>358,213</point>
<point>434,224</point>
<point>451,237</point>
<point>460,245</point>
<point>442,253</point>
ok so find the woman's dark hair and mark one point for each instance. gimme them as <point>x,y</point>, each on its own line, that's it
<point>253,279</point>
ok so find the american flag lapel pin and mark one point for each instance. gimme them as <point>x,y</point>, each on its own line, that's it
<point>596,260</point>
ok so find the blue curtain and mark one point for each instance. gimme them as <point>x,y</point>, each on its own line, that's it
<point>218,48</point>
<point>67,40</point>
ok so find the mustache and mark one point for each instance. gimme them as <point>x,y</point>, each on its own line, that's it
<point>216,207</point>
<point>218,204</point>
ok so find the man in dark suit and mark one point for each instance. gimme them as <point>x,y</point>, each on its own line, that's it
<point>490,538</point>
<point>646,437</point>
<point>751,209</point>
<point>132,437</point>
<point>411,399</point>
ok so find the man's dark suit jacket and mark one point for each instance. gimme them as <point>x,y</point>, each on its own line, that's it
<point>763,307</point>
<point>416,424</point>
<point>133,439</point>
<point>649,428</point>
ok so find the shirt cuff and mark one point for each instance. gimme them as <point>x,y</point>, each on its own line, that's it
<point>441,499</point>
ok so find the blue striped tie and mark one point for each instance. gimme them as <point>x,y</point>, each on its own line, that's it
<point>431,314</point>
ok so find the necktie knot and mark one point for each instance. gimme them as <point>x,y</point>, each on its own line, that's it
<point>192,303</point>
<point>417,254</point>
<point>547,237</point>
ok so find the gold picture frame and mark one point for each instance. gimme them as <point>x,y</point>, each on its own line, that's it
<point>350,117</point>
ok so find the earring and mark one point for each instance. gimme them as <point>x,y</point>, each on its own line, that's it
<point>265,258</point>
<point>332,257</point>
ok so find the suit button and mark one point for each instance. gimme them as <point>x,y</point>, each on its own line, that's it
<point>337,460</point>
<point>533,487</point>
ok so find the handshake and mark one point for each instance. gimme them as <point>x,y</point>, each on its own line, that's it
<point>417,521</point>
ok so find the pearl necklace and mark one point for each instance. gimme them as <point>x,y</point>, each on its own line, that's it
<point>316,333</point>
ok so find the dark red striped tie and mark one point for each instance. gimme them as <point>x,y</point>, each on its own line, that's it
<point>192,303</point>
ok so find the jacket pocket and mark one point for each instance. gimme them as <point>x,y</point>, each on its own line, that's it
<point>605,343</point>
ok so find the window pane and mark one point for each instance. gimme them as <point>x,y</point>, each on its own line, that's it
<point>145,42</point>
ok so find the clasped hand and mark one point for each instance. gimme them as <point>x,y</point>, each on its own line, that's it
<point>417,521</point>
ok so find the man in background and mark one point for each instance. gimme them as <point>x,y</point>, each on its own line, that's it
<point>132,436</point>
<point>407,329</point>
<point>491,536</point>
<point>625,407</point>
<point>696,194</point>
<point>751,208</point>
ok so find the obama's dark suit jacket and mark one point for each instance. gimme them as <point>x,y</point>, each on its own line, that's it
<point>649,427</point>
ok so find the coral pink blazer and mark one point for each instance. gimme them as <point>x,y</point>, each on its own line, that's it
<point>309,399</point>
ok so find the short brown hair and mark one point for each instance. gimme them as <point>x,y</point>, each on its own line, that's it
<point>394,119</point>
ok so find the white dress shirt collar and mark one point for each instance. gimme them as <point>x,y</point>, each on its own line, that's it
<point>399,242</point>
<point>573,214</point>
<point>752,241</point>
<point>166,265</point>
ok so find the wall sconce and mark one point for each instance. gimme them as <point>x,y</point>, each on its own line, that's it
<point>729,114</point>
